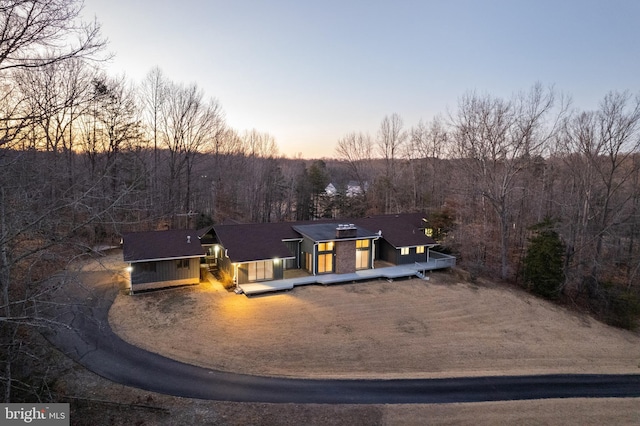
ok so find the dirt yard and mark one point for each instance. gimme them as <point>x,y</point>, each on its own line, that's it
<point>401,329</point>
<point>408,328</point>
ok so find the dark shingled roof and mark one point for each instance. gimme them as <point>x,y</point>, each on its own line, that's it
<point>256,241</point>
<point>262,241</point>
<point>161,245</point>
<point>401,230</point>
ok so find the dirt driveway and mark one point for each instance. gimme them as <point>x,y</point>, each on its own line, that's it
<point>409,328</point>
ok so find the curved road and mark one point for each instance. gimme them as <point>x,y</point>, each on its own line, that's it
<point>89,339</point>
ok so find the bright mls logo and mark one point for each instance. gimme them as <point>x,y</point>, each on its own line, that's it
<point>36,414</point>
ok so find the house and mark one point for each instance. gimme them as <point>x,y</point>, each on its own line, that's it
<point>405,237</point>
<point>254,252</point>
<point>352,189</point>
<point>160,259</point>
<point>262,252</point>
<point>330,190</point>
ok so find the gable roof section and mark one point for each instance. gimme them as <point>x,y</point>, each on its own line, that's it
<point>256,241</point>
<point>401,230</point>
<point>161,245</point>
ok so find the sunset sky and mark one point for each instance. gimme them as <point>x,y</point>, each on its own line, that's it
<point>309,72</point>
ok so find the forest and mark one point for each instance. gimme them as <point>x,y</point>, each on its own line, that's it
<point>529,190</point>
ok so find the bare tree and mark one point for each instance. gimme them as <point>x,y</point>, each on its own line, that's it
<point>263,176</point>
<point>498,138</point>
<point>357,150</point>
<point>33,35</point>
<point>189,128</point>
<point>57,94</point>
<point>36,33</point>
<point>390,141</point>
<point>427,145</point>
<point>600,151</point>
<point>153,95</point>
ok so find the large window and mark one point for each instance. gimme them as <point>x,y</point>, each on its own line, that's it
<point>325,263</point>
<point>259,271</point>
<point>363,254</point>
<point>404,251</point>
<point>325,257</point>
<point>420,249</point>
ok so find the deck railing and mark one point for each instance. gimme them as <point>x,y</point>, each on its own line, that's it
<point>436,261</point>
<point>442,260</point>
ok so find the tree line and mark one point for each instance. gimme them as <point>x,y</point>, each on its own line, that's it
<point>512,186</point>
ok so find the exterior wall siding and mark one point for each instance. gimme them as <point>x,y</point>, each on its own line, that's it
<point>225,265</point>
<point>387,252</point>
<point>412,257</point>
<point>294,248</point>
<point>135,288</point>
<point>307,246</point>
<point>166,270</point>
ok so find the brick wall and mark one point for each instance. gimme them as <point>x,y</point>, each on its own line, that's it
<point>345,256</point>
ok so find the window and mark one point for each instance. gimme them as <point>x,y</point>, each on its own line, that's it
<point>259,271</point>
<point>183,264</point>
<point>362,254</point>
<point>362,259</point>
<point>325,263</point>
<point>362,244</point>
<point>328,246</point>
<point>428,232</point>
<point>420,249</point>
<point>404,251</point>
<point>325,257</point>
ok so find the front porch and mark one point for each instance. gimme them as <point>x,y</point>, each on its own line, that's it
<point>436,261</point>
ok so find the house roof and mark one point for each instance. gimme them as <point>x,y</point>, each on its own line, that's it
<point>262,241</point>
<point>256,241</point>
<point>327,231</point>
<point>401,230</point>
<point>161,245</point>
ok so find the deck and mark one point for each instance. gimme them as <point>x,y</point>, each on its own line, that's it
<point>417,269</point>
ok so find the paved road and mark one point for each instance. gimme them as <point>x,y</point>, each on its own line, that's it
<point>91,342</point>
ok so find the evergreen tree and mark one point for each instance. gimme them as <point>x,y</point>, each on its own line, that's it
<point>543,264</point>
